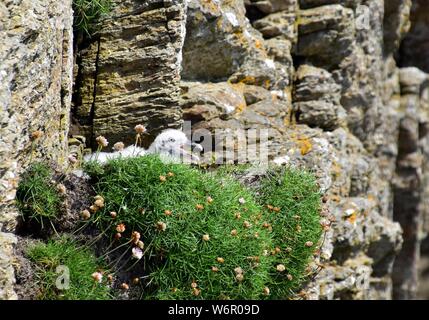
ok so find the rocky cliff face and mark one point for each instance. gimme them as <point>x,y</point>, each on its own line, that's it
<point>319,75</point>
<point>35,94</point>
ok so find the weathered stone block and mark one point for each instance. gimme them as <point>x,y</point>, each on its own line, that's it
<point>327,32</point>
<point>317,98</point>
<point>130,71</point>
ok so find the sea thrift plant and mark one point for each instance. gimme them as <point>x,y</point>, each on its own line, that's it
<point>87,14</point>
<point>292,205</point>
<point>206,237</point>
<point>140,129</point>
<point>186,225</point>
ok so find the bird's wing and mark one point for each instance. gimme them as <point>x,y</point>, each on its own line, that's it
<point>101,157</point>
<point>132,151</point>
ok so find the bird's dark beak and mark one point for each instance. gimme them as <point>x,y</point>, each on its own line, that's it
<point>196,147</point>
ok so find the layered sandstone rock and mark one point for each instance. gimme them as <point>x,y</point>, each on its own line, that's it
<point>128,72</point>
<point>317,98</point>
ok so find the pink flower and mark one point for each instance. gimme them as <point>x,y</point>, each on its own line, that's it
<point>309,244</point>
<point>161,226</point>
<point>61,188</point>
<point>97,276</point>
<point>118,146</point>
<point>135,237</point>
<point>36,134</point>
<point>102,141</point>
<point>140,128</point>
<point>120,227</point>
<point>72,159</point>
<point>280,267</point>
<point>85,214</point>
<point>137,253</point>
<point>140,244</point>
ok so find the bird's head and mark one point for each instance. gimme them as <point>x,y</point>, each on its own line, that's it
<point>174,142</point>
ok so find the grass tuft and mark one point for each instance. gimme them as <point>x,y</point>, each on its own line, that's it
<point>88,12</point>
<point>37,198</point>
<point>93,168</point>
<point>80,263</point>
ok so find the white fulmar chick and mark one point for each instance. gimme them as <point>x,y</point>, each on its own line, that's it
<point>171,144</point>
<point>103,157</point>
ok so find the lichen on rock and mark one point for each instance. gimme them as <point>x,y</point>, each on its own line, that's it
<point>332,82</point>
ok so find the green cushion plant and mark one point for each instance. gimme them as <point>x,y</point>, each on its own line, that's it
<point>291,201</point>
<point>189,219</point>
<point>202,234</point>
<point>37,197</point>
<point>81,264</point>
